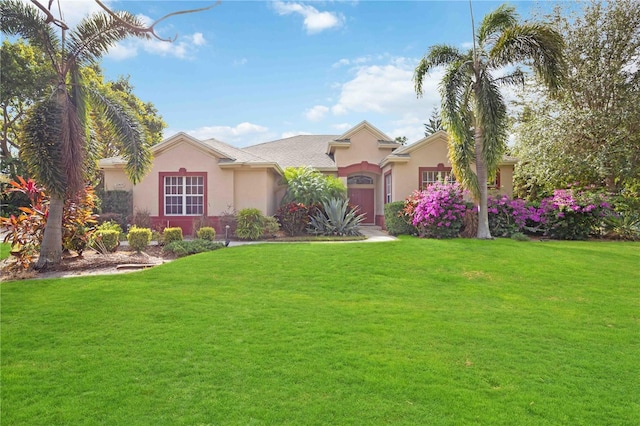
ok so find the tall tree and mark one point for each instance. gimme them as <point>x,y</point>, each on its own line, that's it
<point>473,109</point>
<point>434,124</point>
<point>25,78</point>
<point>590,133</point>
<point>57,128</point>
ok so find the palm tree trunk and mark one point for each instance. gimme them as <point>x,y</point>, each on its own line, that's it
<point>51,247</point>
<point>481,172</point>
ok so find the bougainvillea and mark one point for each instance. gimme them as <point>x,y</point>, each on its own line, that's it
<point>573,214</point>
<point>508,216</point>
<point>437,211</point>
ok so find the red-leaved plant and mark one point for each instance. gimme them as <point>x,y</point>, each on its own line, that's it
<point>25,231</point>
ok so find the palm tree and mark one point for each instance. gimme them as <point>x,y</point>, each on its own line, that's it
<point>57,129</point>
<point>473,109</point>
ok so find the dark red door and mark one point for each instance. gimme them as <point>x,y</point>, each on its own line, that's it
<point>363,198</point>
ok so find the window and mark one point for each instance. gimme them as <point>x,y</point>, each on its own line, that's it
<point>495,184</point>
<point>387,188</point>
<point>183,195</point>
<point>428,177</point>
<point>359,180</point>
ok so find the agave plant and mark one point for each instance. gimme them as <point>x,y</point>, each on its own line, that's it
<point>336,218</point>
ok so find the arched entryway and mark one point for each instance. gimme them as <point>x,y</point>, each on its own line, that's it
<point>361,192</point>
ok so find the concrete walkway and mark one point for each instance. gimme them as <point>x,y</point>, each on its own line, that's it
<point>373,234</point>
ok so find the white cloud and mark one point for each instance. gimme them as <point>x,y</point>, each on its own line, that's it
<point>239,62</point>
<point>291,134</point>
<point>120,52</point>
<point>343,127</point>
<point>316,113</point>
<point>198,39</point>
<point>74,11</point>
<point>183,48</point>
<point>242,134</point>
<point>386,87</point>
<point>314,20</point>
<point>410,126</point>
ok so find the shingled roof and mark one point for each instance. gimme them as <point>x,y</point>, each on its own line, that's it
<point>234,154</point>
<point>297,151</point>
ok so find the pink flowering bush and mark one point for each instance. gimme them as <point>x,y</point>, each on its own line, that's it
<point>438,211</point>
<point>509,216</point>
<point>572,214</point>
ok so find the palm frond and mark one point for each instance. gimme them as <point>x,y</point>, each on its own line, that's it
<point>41,148</point>
<point>538,43</point>
<point>23,19</point>
<point>130,133</point>
<point>514,78</point>
<point>95,34</point>
<point>437,55</point>
<point>491,116</point>
<point>457,118</point>
<point>495,22</point>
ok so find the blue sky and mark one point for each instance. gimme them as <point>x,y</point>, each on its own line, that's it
<point>253,71</point>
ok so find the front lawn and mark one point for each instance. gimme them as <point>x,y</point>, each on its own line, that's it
<point>407,332</point>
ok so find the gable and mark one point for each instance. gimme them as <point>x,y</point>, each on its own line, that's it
<point>181,143</point>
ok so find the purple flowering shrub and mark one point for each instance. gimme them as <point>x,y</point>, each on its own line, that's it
<point>573,215</point>
<point>437,211</point>
<point>509,216</point>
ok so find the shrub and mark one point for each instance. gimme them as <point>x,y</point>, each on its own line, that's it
<point>206,233</point>
<point>185,248</point>
<point>139,238</point>
<point>25,232</point>
<point>200,222</point>
<point>507,216</point>
<point>105,240</point>
<point>624,222</point>
<point>113,217</point>
<point>109,226</point>
<point>573,215</point>
<point>116,202</point>
<point>336,218</point>
<point>228,218</point>
<point>294,218</point>
<point>519,236</point>
<point>115,206</point>
<point>142,219</point>
<point>270,226</point>
<point>396,221</point>
<point>437,211</point>
<point>309,186</point>
<point>170,235</point>
<point>249,224</point>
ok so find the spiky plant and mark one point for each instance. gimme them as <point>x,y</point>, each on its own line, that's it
<point>336,218</point>
<point>473,109</point>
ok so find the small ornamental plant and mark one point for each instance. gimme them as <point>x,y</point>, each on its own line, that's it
<point>294,218</point>
<point>437,211</point>
<point>206,233</point>
<point>572,214</point>
<point>170,235</point>
<point>139,238</point>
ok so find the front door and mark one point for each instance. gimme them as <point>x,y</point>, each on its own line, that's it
<point>363,198</point>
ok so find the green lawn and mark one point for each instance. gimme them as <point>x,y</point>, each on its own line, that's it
<point>4,250</point>
<point>410,332</point>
